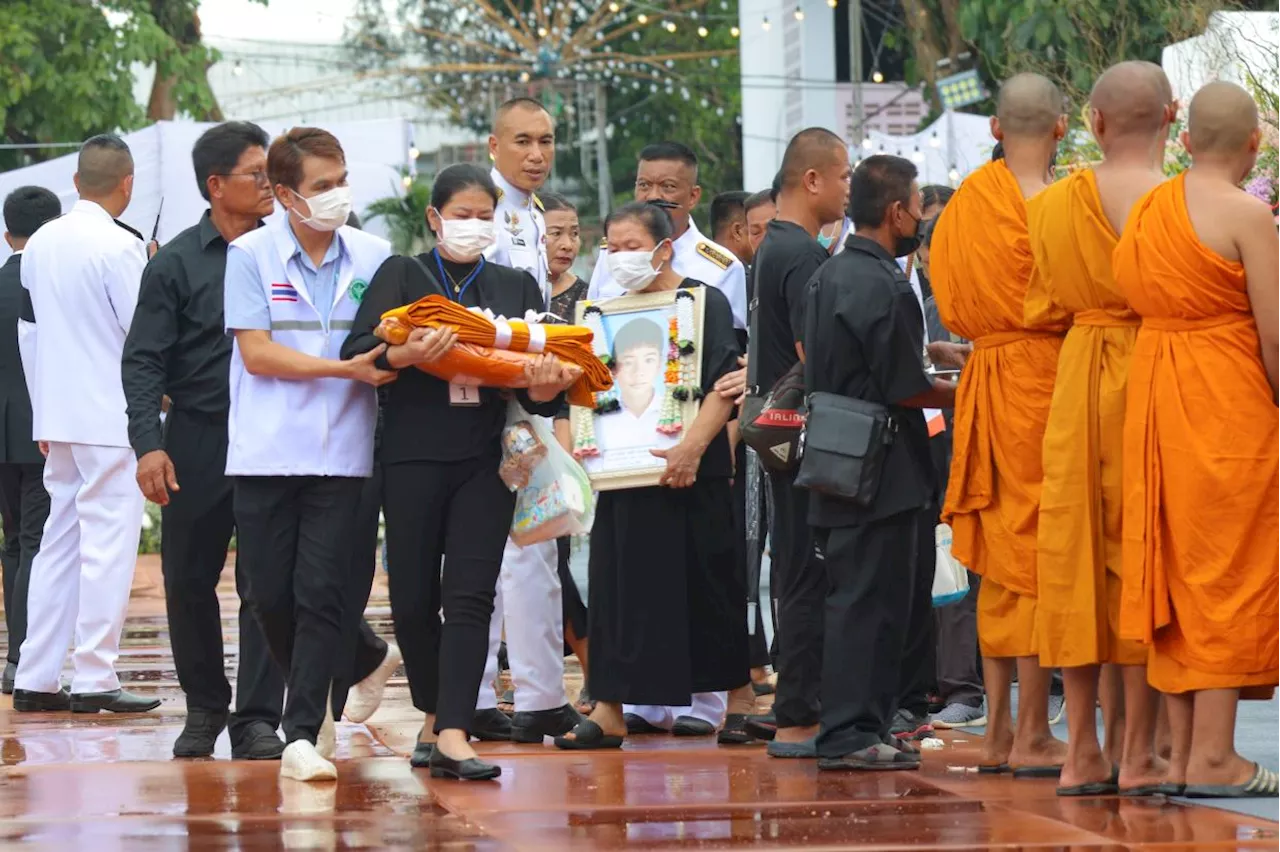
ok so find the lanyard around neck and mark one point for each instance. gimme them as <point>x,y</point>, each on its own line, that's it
<point>458,289</point>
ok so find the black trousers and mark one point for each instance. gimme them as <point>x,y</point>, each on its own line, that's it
<point>757,644</point>
<point>799,580</point>
<point>362,649</point>
<point>919,659</point>
<point>294,535</point>
<point>872,571</point>
<point>458,512</point>
<point>195,532</point>
<point>24,507</point>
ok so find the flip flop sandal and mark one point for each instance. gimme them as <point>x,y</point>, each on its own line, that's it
<point>1264,784</point>
<point>1037,772</point>
<point>876,758</point>
<point>588,736</point>
<point>993,768</point>
<point>1094,788</point>
<point>1153,790</point>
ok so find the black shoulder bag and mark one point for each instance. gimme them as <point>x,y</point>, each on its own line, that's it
<point>843,445</point>
<point>771,424</point>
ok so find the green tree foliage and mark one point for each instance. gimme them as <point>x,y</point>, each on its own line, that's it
<point>68,66</point>
<point>405,216</point>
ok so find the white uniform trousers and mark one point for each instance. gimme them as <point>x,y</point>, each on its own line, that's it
<point>707,706</point>
<point>81,578</point>
<point>528,595</point>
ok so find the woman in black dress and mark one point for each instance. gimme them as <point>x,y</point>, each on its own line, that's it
<point>441,447</point>
<point>667,601</point>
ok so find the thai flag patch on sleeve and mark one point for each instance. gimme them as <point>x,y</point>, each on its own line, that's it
<point>283,293</point>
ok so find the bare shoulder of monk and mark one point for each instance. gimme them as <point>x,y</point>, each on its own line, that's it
<point>1218,210</point>
<point>1120,188</point>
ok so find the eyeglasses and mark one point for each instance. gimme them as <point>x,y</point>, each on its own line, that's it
<point>259,178</point>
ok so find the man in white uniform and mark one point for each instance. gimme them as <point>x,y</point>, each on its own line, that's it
<point>528,595</point>
<point>82,273</point>
<point>667,175</point>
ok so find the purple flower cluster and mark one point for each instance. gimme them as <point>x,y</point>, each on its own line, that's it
<point>1262,187</point>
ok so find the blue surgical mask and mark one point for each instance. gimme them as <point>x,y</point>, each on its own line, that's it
<point>825,241</point>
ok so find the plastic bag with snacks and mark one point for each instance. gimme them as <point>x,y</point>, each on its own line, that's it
<point>553,493</point>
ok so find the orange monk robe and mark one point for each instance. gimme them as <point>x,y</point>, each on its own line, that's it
<point>1200,454</point>
<point>1078,560</point>
<point>984,280</point>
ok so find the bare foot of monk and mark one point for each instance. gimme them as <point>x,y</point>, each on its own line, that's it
<point>796,734</point>
<point>997,744</point>
<point>1038,750</point>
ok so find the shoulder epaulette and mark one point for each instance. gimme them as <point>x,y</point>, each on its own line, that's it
<point>130,230</point>
<point>500,194</point>
<point>715,255</point>
<point>537,202</point>
<point>604,242</point>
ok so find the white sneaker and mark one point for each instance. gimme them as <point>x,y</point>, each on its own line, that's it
<point>327,738</point>
<point>363,698</point>
<point>302,762</point>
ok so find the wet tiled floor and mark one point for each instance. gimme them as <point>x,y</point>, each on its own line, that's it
<point>108,783</point>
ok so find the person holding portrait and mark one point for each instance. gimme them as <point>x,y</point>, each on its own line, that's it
<point>665,593</point>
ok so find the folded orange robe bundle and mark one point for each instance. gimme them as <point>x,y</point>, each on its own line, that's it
<point>1201,462</point>
<point>494,352</point>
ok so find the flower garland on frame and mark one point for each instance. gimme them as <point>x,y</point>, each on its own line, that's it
<point>681,367</point>
<point>606,402</point>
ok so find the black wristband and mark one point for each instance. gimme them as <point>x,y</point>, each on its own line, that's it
<point>382,363</point>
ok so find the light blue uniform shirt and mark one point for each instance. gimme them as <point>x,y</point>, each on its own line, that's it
<point>247,306</point>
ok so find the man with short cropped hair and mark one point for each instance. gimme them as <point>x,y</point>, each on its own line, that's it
<point>729,224</point>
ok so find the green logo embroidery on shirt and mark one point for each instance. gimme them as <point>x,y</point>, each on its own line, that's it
<point>358,288</point>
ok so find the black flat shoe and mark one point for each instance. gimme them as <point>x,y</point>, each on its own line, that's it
<point>734,731</point>
<point>199,733</point>
<point>6,682</point>
<point>691,726</point>
<point>422,752</point>
<point>491,726</point>
<point>471,769</point>
<point>762,727</point>
<point>117,701</point>
<point>27,701</point>
<point>257,741</point>
<point>532,726</point>
<point>637,724</point>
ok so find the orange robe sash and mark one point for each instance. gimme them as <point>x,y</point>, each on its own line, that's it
<point>1201,566</point>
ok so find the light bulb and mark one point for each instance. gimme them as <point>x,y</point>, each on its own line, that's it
<point>832,3</point>
<point>765,25</point>
<point>407,180</point>
<point>867,143</point>
<point>917,156</point>
<point>735,32</point>
<point>614,7</point>
<point>799,13</point>
<point>642,18</point>
<point>671,26</point>
<point>954,174</point>
<point>876,76</point>
<point>237,69</point>
<point>542,32</point>
<point>934,141</point>
<point>524,76</point>
<point>414,153</point>
<point>703,32</point>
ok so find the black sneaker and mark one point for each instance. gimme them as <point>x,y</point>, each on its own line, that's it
<point>532,726</point>
<point>491,725</point>
<point>199,733</point>
<point>908,726</point>
<point>257,741</point>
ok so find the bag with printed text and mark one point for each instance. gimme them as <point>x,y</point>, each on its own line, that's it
<point>553,493</point>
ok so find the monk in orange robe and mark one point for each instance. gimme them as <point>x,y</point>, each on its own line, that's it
<point>987,289</point>
<point>1198,262</point>
<point>1074,228</point>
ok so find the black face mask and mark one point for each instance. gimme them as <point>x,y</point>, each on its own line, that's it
<point>905,245</point>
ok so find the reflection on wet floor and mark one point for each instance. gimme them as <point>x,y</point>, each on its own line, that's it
<point>107,783</point>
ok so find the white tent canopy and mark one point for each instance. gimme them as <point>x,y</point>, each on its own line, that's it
<point>1235,47</point>
<point>956,140</point>
<point>376,152</point>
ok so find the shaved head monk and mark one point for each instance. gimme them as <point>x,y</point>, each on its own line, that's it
<point>1198,263</point>
<point>1074,227</point>
<point>987,290</point>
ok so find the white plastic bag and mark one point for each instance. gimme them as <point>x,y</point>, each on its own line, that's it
<point>555,498</point>
<point>950,579</point>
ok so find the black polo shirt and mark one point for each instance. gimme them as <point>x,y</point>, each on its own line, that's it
<point>177,344</point>
<point>785,261</point>
<point>864,338</point>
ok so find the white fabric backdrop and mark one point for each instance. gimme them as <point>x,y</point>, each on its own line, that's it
<point>376,151</point>
<point>969,141</point>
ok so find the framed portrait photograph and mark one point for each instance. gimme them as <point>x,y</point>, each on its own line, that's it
<point>652,344</point>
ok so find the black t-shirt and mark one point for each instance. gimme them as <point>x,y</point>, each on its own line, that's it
<point>720,352</point>
<point>419,423</point>
<point>864,338</point>
<point>785,261</point>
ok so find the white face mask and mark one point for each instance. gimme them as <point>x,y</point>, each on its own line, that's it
<point>632,270</point>
<point>329,210</point>
<point>466,239</point>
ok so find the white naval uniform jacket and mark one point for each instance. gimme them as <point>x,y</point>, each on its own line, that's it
<point>315,427</point>
<point>695,257</point>
<point>82,272</point>
<point>522,234</point>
